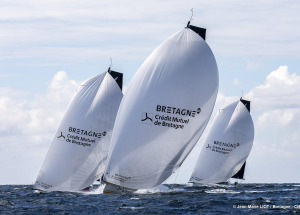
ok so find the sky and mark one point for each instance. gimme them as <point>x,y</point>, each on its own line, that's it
<point>47,48</point>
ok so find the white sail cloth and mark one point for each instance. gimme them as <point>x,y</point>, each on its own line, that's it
<point>164,112</point>
<point>80,146</point>
<point>227,146</point>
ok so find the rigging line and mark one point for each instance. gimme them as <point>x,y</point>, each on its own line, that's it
<point>110,65</point>
<point>192,14</point>
<point>188,24</point>
<point>110,62</point>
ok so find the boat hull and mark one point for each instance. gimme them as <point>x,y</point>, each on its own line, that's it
<point>110,188</point>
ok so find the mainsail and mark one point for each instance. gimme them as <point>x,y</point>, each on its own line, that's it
<point>164,112</point>
<point>227,146</point>
<point>80,146</point>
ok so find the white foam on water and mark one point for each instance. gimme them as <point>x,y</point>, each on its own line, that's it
<point>287,189</point>
<point>37,191</point>
<point>220,185</point>
<point>132,208</point>
<point>212,185</point>
<point>133,198</point>
<point>255,191</point>
<point>188,185</point>
<point>221,191</point>
<point>267,191</point>
<point>94,190</point>
<point>158,189</point>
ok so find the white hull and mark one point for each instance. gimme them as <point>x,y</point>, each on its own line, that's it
<point>116,189</point>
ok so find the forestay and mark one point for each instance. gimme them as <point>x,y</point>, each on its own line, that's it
<point>80,146</point>
<point>164,112</point>
<point>227,146</point>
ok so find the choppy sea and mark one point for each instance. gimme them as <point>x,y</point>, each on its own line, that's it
<point>164,199</point>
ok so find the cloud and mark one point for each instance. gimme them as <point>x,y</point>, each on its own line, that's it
<point>73,32</point>
<point>29,123</point>
<point>276,109</point>
<point>278,103</point>
<point>280,118</point>
<point>26,116</point>
<point>27,126</point>
<point>280,91</point>
<point>52,29</point>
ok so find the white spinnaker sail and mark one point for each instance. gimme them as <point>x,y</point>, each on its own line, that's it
<point>164,112</point>
<point>227,146</point>
<point>80,146</point>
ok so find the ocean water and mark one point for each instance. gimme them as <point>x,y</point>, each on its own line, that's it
<point>164,199</point>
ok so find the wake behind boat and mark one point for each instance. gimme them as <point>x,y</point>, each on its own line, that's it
<point>80,146</point>
<point>164,112</point>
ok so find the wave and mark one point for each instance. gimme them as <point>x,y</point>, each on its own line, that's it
<point>222,191</point>
<point>269,191</point>
<point>95,190</point>
<point>255,191</point>
<point>159,189</point>
<point>132,208</point>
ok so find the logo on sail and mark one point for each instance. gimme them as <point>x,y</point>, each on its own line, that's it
<point>147,118</point>
<point>171,117</point>
<point>177,111</point>
<point>208,146</point>
<point>61,136</point>
<point>42,184</point>
<point>80,137</point>
<point>222,147</point>
<point>196,178</point>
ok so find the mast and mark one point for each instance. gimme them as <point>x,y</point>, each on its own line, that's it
<point>200,31</point>
<point>117,76</point>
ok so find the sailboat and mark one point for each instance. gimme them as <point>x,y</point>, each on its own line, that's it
<point>162,115</point>
<point>79,149</point>
<point>227,146</point>
<point>240,174</point>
